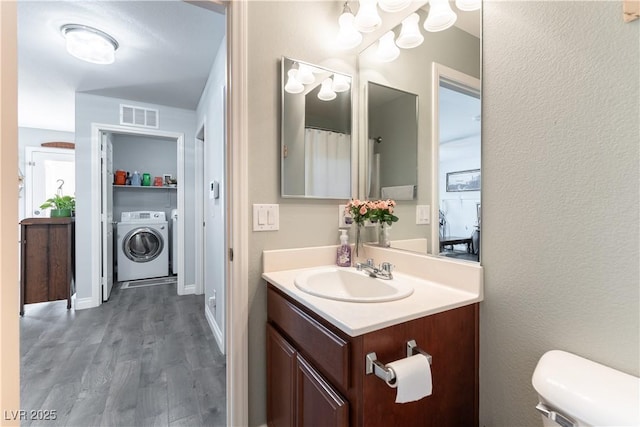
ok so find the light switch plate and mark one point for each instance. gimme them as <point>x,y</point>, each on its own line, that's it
<point>266,217</point>
<point>423,214</point>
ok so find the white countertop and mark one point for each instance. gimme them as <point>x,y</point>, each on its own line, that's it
<point>356,318</point>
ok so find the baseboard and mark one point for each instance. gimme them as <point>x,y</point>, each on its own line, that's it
<point>215,329</point>
<point>82,303</point>
<point>189,289</point>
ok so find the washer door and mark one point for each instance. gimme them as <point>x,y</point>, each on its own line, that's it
<point>142,244</point>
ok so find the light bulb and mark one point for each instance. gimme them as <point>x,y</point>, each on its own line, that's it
<point>440,17</point>
<point>410,35</point>
<point>468,5</point>
<point>305,74</point>
<point>367,19</point>
<point>393,5</point>
<point>326,92</point>
<point>348,36</point>
<point>340,83</point>
<point>293,85</point>
<point>387,49</point>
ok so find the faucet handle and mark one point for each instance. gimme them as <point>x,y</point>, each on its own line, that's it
<point>387,267</point>
<point>370,262</point>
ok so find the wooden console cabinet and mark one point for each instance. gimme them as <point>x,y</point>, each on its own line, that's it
<point>47,260</point>
<point>316,373</point>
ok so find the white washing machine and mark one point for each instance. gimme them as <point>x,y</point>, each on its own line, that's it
<point>143,245</point>
<point>174,241</point>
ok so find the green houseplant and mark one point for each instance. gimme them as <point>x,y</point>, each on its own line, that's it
<point>61,206</point>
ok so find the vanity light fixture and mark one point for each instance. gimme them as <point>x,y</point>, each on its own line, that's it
<point>340,83</point>
<point>89,44</point>
<point>293,85</point>
<point>367,19</point>
<point>305,74</point>
<point>410,35</point>
<point>393,5</point>
<point>387,49</point>
<point>440,17</point>
<point>326,92</point>
<point>468,5</point>
<point>348,36</point>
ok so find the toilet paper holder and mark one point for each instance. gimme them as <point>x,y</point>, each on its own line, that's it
<point>374,366</point>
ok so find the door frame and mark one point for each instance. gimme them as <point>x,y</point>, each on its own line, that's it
<point>439,72</point>
<point>96,198</point>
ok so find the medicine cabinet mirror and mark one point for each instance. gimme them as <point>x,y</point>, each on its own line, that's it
<point>316,132</point>
<point>448,136</point>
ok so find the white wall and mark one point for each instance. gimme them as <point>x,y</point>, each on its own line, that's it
<point>300,30</point>
<point>560,195</point>
<point>210,114</point>
<point>32,137</point>
<point>98,109</point>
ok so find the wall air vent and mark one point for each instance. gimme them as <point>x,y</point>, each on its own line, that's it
<point>137,116</point>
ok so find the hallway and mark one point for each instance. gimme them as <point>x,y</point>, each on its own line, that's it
<point>146,357</point>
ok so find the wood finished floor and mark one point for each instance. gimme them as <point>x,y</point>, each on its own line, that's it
<point>146,357</point>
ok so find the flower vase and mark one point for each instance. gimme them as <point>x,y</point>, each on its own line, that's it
<point>358,245</point>
<point>383,235</point>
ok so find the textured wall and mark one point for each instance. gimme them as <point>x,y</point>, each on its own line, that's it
<point>560,195</point>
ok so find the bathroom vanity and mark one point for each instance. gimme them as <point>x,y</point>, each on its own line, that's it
<point>317,348</point>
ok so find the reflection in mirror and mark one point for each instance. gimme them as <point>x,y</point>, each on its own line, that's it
<point>458,123</point>
<point>457,47</point>
<point>393,143</point>
<point>316,132</point>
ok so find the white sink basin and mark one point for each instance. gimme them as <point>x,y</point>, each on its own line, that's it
<point>345,284</point>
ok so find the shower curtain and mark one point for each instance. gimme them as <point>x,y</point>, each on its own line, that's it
<point>327,164</point>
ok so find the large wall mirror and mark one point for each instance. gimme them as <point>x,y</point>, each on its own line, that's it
<point>316,132</point>
<point>442,219</point>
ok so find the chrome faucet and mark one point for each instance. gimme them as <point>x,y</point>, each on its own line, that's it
<point>381,272</point>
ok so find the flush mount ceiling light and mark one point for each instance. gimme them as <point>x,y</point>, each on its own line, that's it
<point>326,92</point>
<point>367,19</point>
<point>348,36</point>
<point>340,83</point>
<point>410,35</point>
<point>468,5</point>
<point>293,85</point>
<point>393,5</point>
<point>387,49</point>
<point>440,17</point>
<point>89,44</point>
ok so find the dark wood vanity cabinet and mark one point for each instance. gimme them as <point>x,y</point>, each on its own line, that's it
<point>316,373</point>
<point>47,260</point>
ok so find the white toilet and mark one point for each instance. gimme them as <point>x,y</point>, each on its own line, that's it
<point>574,391</point>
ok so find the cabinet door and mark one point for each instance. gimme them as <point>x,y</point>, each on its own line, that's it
<point>281,368</point>
<point>318,404</point>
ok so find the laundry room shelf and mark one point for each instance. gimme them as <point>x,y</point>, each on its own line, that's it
<point>145,187</point>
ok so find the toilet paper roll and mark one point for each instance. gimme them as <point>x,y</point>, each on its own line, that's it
<point>413,378</point>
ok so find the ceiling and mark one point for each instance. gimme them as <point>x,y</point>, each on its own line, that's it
<point>165,55</point>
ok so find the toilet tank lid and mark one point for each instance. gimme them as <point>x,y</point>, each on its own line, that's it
<point>586,390</point>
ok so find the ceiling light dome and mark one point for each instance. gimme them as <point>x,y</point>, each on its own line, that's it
<point>410,35</point>
<point>393,5</point>
<point>348,36</point>
<point>468,5</point>
<point>89,44</point>
<point>326,92</point>
<point>293,85</point>
<point>387,49</point>
<point>440,17</point>
<point>367,19</point>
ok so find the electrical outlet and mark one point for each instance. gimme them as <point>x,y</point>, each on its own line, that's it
<point>341,221</point>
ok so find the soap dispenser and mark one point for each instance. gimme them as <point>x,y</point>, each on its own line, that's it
<point>343,258</point>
